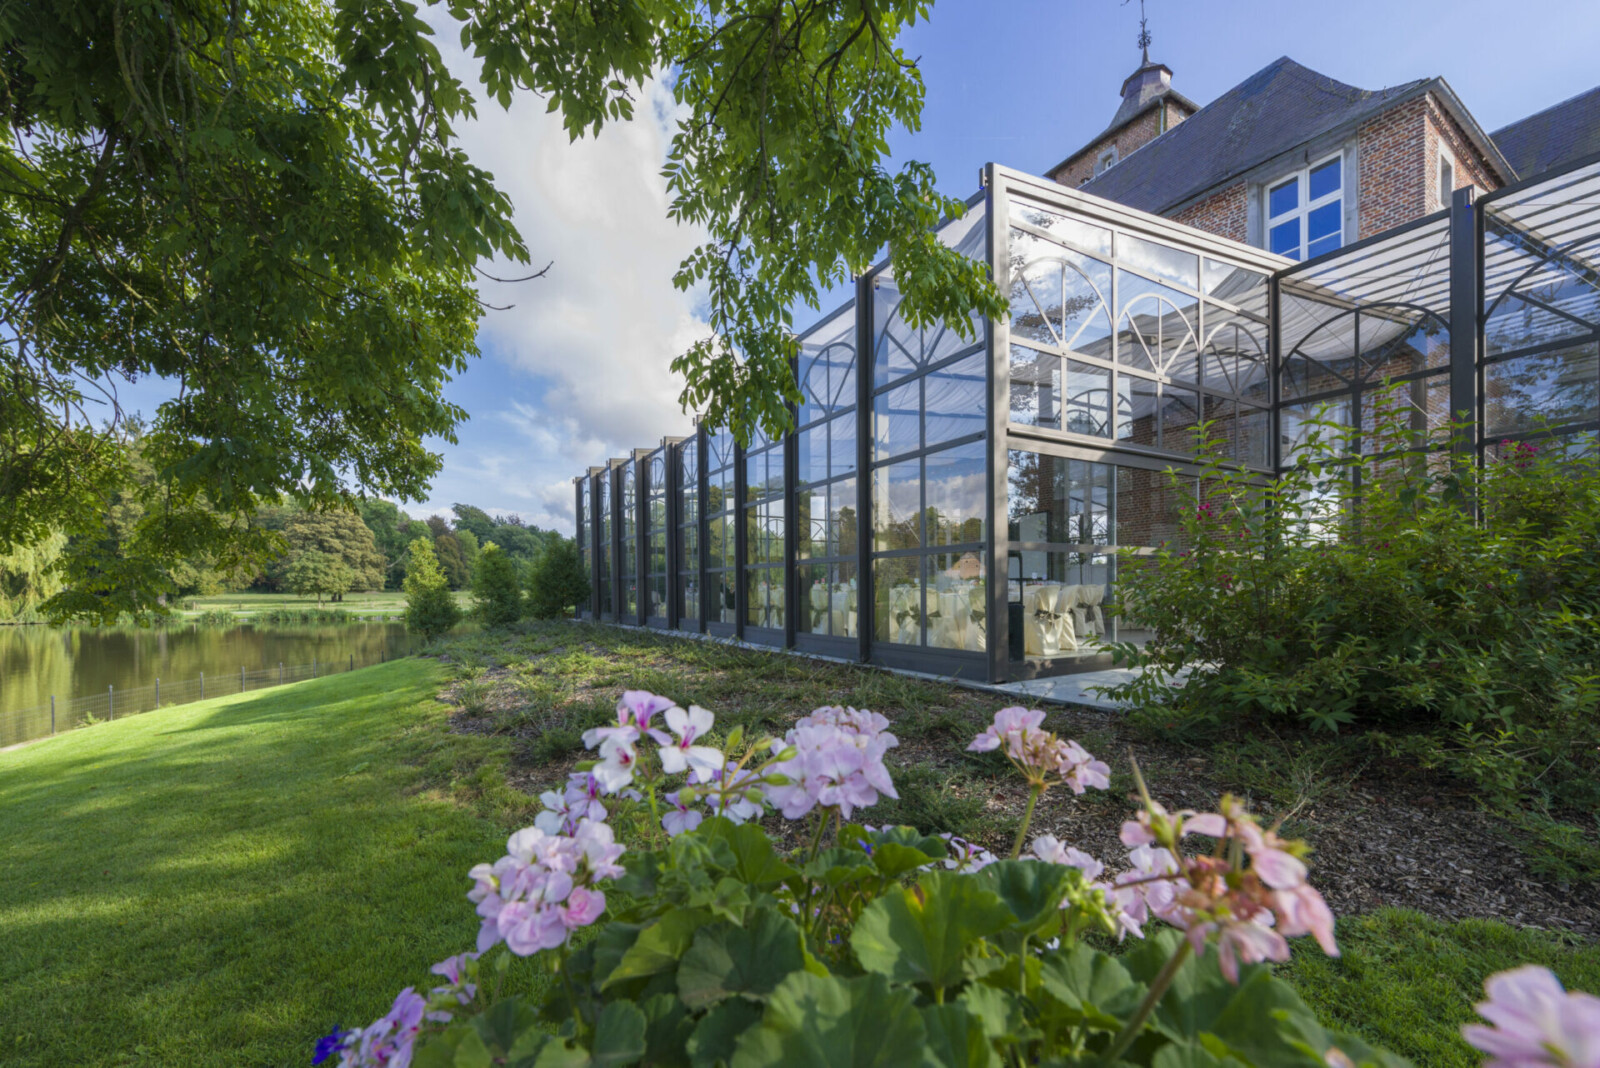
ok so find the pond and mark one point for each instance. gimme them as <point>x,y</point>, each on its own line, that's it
<point>104,672</point>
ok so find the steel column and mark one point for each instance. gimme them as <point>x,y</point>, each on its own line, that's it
<point>865,376</point>
<point>1466,307</point>
<point>997,336</point>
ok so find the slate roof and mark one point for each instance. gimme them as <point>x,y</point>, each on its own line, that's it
<point>1556,135</point>
<point>1275,109</point>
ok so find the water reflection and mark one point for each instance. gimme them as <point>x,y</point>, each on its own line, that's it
<point>37,662</point>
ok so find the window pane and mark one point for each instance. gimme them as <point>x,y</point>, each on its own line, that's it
<point>897,504</point>
<point>1560,386</point>
<point>1180,412</point>
<point>957,400</point>
<point>841,532</point>
<point>1284,239</point>
<point>1283,198</point>
<point>1058,297</point>
<point>1324,221</point>
<point>842,444</point>
<point>957,602</point>
<point>1324,180</point>
<point>1160,260</point>
<point>814,599</point>
<point>1252,442</point>
<point>1087,400</point>
<point>1094,239</point>
<point>1136,410</point>
<point>897,587</point>
<point>1148,506</point>
<point>956,495</point>
<point>1035,388</point>
<point>812,447</point>
<point>897,416</point>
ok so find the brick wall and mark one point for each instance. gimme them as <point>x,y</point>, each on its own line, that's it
<point>1470,167</point>
<point>1394,172</point>
<point>1135,135</point>
<point>1225,214</point>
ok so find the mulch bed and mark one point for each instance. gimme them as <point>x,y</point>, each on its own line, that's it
<point>1381,840</point>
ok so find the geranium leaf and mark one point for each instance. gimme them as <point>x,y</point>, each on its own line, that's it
<point>816,1021</point>
<point>717,1034</point>
<point>666,1031</point>
<point>955,1039</point>
<point>659,947</point>
<point>618,1035</point>
<point>1092,985</point>
<point>920,935</point>
<point>726,960</point>
<point>893,859</point>
<point>1031,890</point>
<point>755,861</point>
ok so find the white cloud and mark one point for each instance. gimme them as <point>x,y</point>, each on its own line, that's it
<point>577,371</point>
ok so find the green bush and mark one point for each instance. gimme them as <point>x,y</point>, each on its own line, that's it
<point>496,588</point>
<point>558,581</point>
<point>431,609</point>
<point>1366,593</point>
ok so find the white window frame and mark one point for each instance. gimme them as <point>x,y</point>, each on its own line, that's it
<point>1303,205</point>
<point>1446,159</point>
<point>1105,161</point>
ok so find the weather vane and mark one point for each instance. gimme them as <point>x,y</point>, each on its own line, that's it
<point>1144,33</point>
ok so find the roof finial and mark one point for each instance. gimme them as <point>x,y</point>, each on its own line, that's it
<point>1144,34</point>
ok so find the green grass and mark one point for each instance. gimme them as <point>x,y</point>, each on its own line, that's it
<point>220,883</point>
<point>1408,982</point>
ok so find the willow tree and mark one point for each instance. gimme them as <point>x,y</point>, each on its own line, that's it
<point>267,205</point>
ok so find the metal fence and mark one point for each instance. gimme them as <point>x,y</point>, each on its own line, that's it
<point>26,724</point>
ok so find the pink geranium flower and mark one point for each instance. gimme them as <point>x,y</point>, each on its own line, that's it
<point>682,754</point>
<point>1535,1023</point>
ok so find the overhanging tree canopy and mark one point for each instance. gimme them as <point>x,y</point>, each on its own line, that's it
<point>266,204</point>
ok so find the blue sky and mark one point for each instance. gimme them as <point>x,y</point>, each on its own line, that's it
<point>577,372</point>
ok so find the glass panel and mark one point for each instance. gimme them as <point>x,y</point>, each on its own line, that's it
<point>1148,506</point>
<point>841,530</point>
<point>1253,436</point>
<point>957,602</point>
<point>1136,409</point>
<point>812,447</point>
<point>1283,198</point>
<point>1052,499</point>
<point>842,444</point>
<point>1396,344</point>
<point>1295,429</point>
<point>1096,239</point>
<point>1162,261</point>
<point>1035,388</point>
<point>897,588</point>
<point>897,417</point>
<point>897,504</point>
<point>1325,221</point>
<point>1155,328</point>
<point>1087,400</point>
<point>764,598</point>
<point>1561,386</point>
<point>1324,244</point>
<point>815,596</point>
<point>1284,239</point>
<point>1235,353</point>
<point>726,608</point>
<point>1180,412</point>
<point>956,495</point>
<point>1324,180</point>
<point>1421,405</point>
<point>1243,288</point>
<point>956,400</point>
<point>899,348</point>
<point>1059,298</point>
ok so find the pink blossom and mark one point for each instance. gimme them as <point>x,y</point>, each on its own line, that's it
<point>1010,727</point>
<point>454,971</point>
<point>389,1041</point>
<point>965,855</point>
<point>1240,943</point>
<point>637,706</point>
<point>1051,850</point>
<point>583,906</point>
<point>835,765</point>
<point>520,897</point>
<point>681,818</point>
<point>682,754</point>
<point>1079,770</point>
<point>1534,1022</point>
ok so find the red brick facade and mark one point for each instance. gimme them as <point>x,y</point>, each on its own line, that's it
<point>1470,167</point>
<point>1394,177</point>
<point>1226,214</point>
<point>1136,134</point>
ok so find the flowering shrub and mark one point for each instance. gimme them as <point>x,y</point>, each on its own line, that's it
<point>1359,591</point>
<point>883,946</point>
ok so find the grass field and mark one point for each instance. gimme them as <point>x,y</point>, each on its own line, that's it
<point>244,605</point>
<point>221,883</point>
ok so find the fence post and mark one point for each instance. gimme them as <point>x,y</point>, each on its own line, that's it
<point>241,678</point>
<point>158,691</point>
<point>352,661</point>
<point>202,685</point>
<point>52,713</point>
<point>111,702</point>
<point>313,667</point>
<point>280,673</point>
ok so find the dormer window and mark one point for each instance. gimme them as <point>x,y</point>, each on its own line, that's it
<point>1106,160</point>
<point>1305,212</point>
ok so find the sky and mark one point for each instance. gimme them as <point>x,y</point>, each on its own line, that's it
<point>577,372</point>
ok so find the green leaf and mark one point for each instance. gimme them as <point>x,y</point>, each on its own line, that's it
<point>658,947</point>
<point>1032,891</point>
<point>894,860</point>
<point>609,947</point>
<point>998,1013</point>
<point>826,1022</point>
<point>1185,1055</point>
<point>919,935</point>
<point>955,1039</point>
<point>1092,985</point>
<point>666,1031</point>
<point>751,961</point>
<point>755,861</point>
<point>717,1034</point>
<point>618,1035</point>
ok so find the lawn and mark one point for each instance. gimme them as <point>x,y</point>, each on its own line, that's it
<point>221,883</point>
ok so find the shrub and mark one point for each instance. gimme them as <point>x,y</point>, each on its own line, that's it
<point>1365,593</point>
<point>430,607</point>
<point>496,588</point>
<point>866,946</point>
<point>558,580</point>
